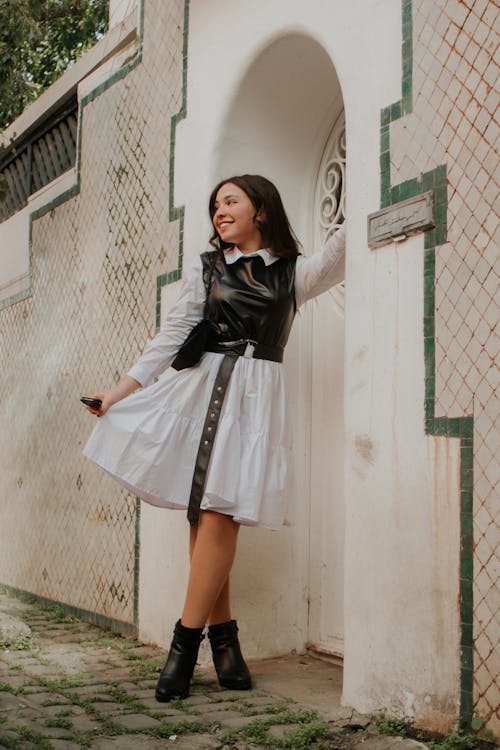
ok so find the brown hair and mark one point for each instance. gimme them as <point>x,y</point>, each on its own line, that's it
<point>274,227</point>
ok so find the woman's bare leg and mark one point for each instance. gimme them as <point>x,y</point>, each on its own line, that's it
<point>232,671</point>
<point>212,550</point>
<point>221,611</point>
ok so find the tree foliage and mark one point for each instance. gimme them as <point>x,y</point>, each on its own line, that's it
<point>39,40</point>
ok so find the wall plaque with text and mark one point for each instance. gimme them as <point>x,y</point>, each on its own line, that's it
<point>397,222</point>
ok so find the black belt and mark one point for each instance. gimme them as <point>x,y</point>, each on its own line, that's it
<point>232,350</point>
<point>247,348</point>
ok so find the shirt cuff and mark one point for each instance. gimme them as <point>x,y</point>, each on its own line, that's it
<point>140,373</point>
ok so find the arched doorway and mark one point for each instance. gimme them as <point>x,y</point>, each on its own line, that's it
<point>277,125</point>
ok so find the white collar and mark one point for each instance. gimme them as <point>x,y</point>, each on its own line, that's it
<point>234,254</point>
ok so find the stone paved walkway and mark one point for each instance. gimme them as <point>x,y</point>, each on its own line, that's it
<point>66,685</point>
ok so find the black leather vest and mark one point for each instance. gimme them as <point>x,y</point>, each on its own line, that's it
<point>249,300</point>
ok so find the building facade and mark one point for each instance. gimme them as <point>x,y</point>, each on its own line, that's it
<point>361,110</point>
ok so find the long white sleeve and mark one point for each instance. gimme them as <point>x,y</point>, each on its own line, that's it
<point>184,315</point>
<point>319,272</point>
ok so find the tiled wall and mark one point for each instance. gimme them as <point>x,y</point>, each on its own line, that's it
<point>68,533</point>
<point>442,135</point>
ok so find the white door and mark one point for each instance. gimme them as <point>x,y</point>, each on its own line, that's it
<point>326,559</point>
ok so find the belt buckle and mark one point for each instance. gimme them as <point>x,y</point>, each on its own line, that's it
<point>249,349</point>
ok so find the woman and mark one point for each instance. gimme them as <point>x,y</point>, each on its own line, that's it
<point>212,438</point>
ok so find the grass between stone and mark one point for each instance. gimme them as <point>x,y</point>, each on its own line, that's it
<point>308,730</point>
<point>478,739</point>
<point>309,734</point>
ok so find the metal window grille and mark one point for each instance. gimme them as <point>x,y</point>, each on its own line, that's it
<point>37,160</point>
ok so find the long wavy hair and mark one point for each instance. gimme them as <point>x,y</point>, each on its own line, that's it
<point>274,227</point>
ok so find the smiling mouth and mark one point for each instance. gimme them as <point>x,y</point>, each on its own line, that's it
<point>224,224</point>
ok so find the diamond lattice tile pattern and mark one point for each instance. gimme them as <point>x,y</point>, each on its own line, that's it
<point>68,531</point>
<point>455,89</point>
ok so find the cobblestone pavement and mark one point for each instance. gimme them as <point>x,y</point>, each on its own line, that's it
<point>66,685</point>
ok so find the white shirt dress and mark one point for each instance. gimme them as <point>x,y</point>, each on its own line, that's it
<point>149,440</point>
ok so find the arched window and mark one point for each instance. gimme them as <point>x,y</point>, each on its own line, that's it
<point>330,196</point>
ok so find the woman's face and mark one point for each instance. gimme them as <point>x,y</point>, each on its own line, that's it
<point>234,218</point>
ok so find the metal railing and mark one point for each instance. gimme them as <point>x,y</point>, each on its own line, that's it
<point>33,162</point>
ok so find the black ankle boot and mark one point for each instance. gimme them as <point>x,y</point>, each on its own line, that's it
<point>229,663</point>
<point>178,670</point>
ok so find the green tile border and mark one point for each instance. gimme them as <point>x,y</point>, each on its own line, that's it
<point>19,297</point>
<point>94,618</point>
<point>137,559</point>
<point>175,213</point>
<point>461,428</point>
<point>397,109</point>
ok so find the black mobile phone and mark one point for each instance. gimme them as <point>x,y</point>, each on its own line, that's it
<point>94,403</point>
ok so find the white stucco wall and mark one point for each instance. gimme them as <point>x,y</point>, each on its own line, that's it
<point>120,9</point>
<point>402,508</point>
<point>401,551</point>
<point>15,274</point>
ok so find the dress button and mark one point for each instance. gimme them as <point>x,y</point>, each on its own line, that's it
<point>219,388</point>
<point>210,429</point>
<point>216,402</point>
<point>212,415</point>
<point>205,442</point>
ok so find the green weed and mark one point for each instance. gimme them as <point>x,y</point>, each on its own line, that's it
<point>64,712</point>
<point>10,743</point>
<point>177,703</point>
<point>456,741</point>
<point>130,655</point>
<point>303,738</point>
<point>479,726</point>
<point>109,727</point>
<point>54,612</point>
<point>82,702</point>
<point>130,701</point>
<point>168,729</point>
<point>148,669</point>
<point>391,725</point>
<point>59,722</point>
<point>6,688</point>
<point>61,684</point>
<point>309,734</point>
<point>30,735</point>
<point>21,643</point>
<point>84,739</point>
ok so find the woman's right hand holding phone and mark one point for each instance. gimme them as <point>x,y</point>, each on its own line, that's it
<point>122,389</point>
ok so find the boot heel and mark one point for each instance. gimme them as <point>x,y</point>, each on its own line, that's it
<point>232,671</point>
<point>176,675</point>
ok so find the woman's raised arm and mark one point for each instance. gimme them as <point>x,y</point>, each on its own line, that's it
<point>319,272</point>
